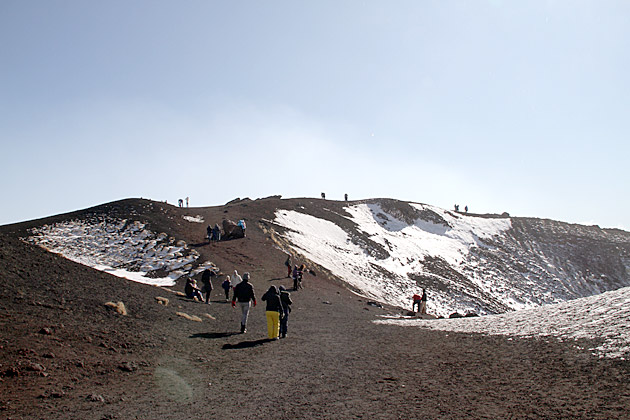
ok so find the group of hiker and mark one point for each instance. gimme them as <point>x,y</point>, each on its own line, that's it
<point>457,208</point>
<point>420,302</point>
<point>214,234</point>
<point>278,300</point>
<point>296,273</point>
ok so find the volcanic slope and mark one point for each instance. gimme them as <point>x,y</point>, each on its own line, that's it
<point>64,354</point>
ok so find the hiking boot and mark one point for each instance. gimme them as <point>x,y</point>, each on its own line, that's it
<point>243,329</point>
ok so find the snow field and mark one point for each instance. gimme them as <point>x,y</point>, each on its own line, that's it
<point>119,247</point>
<point>604,318</point>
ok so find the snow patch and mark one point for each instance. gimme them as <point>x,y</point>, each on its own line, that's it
<point>120,247</point>
<point>604,318</point>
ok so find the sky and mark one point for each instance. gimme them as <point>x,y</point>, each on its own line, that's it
<point>504,106</point>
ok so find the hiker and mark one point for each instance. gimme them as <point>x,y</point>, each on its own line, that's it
<point>244,293</point>
<point>241,223</point>
<point>300,273</point>
<point>345,196</point>
<point>180,202</point>
<point>206,281</point>
<point>209,233</point>
<point>216,233</point>
<point>186,202</point>
<point>466,209</point>
<point>273,312</point>
<point>287,263</point>
<point>236,280</point>
<point>423,306</point>
<point>227,285</point>
<point>416,301</point>
<point>294,274</point>
<point>285,300</point>
<point>191,289</point>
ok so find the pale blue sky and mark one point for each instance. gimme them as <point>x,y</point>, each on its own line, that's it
<point>517,106</point>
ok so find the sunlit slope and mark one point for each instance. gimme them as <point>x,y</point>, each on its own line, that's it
<point>389,250</point>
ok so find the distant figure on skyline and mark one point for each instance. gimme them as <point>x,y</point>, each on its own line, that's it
<point>345,196</point>
<point>323,196</point>
<point>466,209</point>
<point>456,207</point>
<point>180,202</point>
<point>186,202</point>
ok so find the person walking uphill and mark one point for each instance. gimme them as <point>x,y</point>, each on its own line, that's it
<point>206,281</point>
<point>423,301</point>
<point>285,300</point>
<point>244,294</point>
<point>227,285</point>
<point>274,312</point>
<point>416,301</point>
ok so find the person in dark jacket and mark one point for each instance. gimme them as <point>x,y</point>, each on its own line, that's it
<point>285,300</point>
<point>295,277</point>
<point>273,312</point>
<point>206,282</point>
<point>227,285</point>
<point>244,294</point>
<point>423,301</point>
<point>191,289</point>
<point>216,233</point>
<point>287,263</point>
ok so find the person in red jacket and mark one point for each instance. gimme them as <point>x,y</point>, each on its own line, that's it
<point>416,301</point>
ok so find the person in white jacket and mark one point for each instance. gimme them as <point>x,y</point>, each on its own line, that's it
<point>236,279</point>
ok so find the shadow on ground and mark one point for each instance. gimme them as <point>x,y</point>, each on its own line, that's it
<point>246,344</point>
<point>213,335</point>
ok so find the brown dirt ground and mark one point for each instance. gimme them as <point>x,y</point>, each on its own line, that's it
<point>63,354</point>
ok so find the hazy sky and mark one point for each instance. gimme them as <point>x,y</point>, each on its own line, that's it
<point>517,106</point>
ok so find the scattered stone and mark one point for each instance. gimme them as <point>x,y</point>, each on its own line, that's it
<point>375,304</point>
<point>209,316</point>
<point>48,355</point>
<point>11,372</point>
<point>34,367</point>
<point>45,331</point>
<point>471,315</point>
<point>95,398</point>
<point>128,367</point>
<point>119,307</point>
<point>162,300</point>
<point>455,315</point>
<point>189,317</point>
<point>326,302</point>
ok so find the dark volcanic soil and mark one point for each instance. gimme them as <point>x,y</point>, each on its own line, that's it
<point>64,354</point>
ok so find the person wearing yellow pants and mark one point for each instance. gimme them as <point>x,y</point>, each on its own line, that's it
<point>274,309</point>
